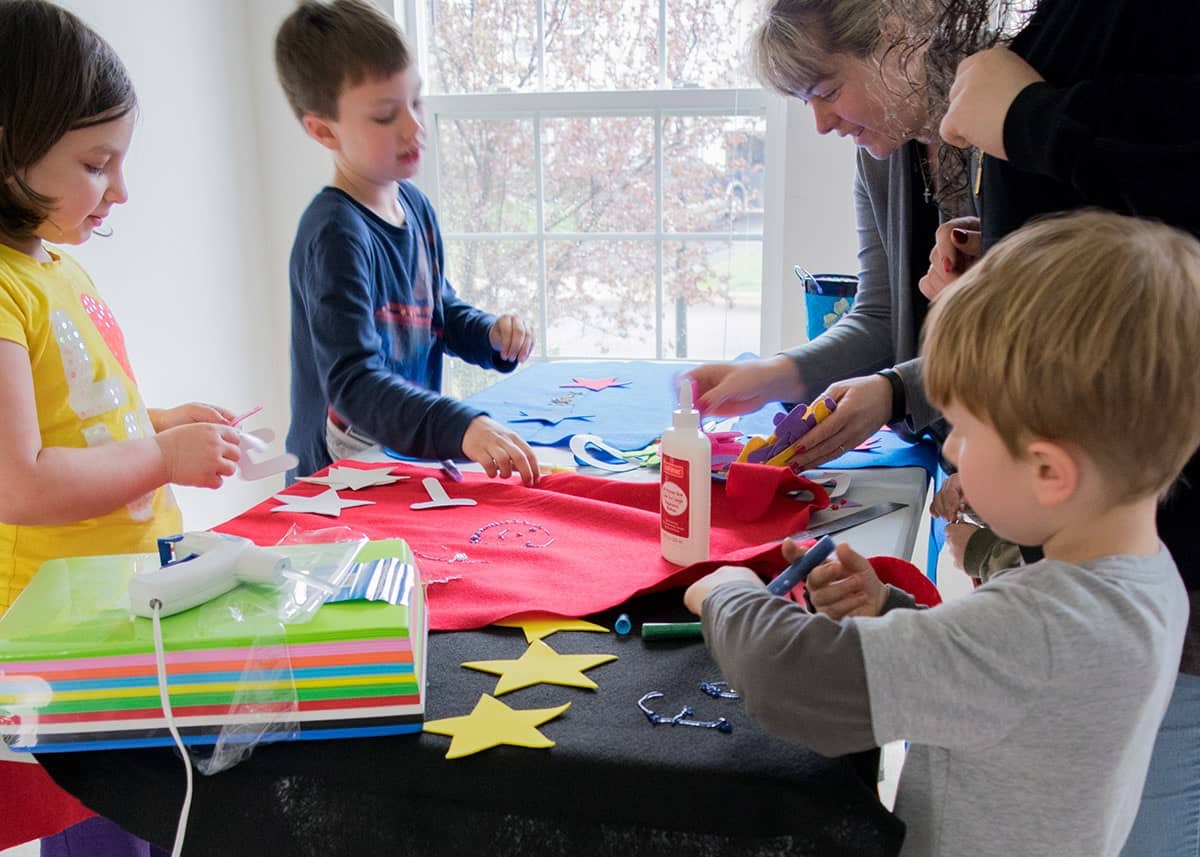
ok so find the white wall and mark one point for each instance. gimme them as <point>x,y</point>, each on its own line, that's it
<point>196,271</point>
<point>220,171</point>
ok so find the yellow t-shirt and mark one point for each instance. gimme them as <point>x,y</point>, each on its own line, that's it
<point>86,396</point>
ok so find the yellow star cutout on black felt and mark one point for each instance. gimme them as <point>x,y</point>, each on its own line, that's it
<point>538,626</point>
<point>541,665</point>
<point>492,723</point>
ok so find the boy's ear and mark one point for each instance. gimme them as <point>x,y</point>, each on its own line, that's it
<point>1055,472</point>
<point>321,130</point>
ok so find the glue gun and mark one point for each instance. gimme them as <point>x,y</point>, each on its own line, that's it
<point>779,448</point>
<point>197,567</point>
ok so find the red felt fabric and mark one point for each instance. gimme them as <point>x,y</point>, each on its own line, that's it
<point>904,575</point>
<point>33,805</point>
<point>601,539</point>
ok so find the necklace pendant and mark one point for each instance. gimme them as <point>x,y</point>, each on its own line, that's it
<point>927,196</point>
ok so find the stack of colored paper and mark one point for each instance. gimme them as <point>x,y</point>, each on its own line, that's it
<point>77,670</point>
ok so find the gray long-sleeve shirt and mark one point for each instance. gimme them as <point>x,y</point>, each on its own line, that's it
<point>882,328</point>
<point>1031,704</point>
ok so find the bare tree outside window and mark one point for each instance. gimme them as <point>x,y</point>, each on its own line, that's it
<point>600,169</point>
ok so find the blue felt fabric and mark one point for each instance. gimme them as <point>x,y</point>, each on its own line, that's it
<point>633,416</point>
<point>628,417</point>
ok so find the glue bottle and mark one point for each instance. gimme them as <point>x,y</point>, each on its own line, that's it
<point>685,491</point>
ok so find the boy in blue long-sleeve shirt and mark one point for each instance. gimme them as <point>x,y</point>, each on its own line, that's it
<point>372,311</point>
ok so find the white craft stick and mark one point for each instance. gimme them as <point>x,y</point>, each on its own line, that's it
<point>439,499</point>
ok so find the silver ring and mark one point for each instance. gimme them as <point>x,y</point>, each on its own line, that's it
<point>841,449</point>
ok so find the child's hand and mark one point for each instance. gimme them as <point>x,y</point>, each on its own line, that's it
<point>694,597</point>
<point>957,536</point>
<point>499,450</point>
<point>199,454</point>
<point>842,586</point>
<point>948,501</point>
<point>192,412</point>
<point>512,338</point>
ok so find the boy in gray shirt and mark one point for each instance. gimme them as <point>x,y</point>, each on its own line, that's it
<point>1064,362</point>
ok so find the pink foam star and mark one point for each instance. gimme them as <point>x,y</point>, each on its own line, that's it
<point>596,384</point>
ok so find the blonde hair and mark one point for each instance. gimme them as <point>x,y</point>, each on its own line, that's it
<point>792,47</point>
<point>1080,329</point>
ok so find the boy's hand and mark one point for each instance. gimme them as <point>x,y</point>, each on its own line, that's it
<point>694,597</point>
<point>985,86</point>
<point>512,338</point>
<point>957,246</point>
<point>199,454</point>
<point>192,412</point>
<point>845,585</point>
<point>499,450</point>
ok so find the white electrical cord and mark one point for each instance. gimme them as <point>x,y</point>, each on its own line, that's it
<point>161,663</point>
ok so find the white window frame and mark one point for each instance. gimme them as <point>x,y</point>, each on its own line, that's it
<point>808,202</point>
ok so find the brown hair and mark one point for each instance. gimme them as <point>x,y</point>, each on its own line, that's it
<point>1079,329</point>
<point>59,75</point>
<point>323,47</point>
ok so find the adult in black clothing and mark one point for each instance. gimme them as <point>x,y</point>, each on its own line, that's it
<point>1093,104</point>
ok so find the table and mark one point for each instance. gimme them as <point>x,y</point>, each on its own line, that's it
<point>613,784</point>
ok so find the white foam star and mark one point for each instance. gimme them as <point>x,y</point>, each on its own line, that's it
<point>354,478</point>
<point>326,503</point>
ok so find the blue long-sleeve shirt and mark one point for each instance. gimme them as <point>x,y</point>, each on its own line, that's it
<point>372,315</point>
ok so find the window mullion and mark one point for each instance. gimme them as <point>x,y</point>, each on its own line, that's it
<point>543,288</point>
<point>658,184</point>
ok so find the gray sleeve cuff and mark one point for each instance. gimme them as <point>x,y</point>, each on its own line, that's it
<point>921,414</point>
<point>898,599</point>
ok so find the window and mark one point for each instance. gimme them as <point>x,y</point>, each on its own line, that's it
<point>599,166</point>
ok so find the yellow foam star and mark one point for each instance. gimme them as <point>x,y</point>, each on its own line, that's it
<point>538,626</point>
<point>541,665</point>
<point>492,723</point>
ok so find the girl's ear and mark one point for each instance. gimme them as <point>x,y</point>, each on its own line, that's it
<point>321,130</point>
<point>1056,472</point>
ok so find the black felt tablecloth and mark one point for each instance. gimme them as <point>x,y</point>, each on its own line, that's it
<point>613,784</point>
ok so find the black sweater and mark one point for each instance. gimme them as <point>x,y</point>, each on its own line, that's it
<point>1115,124</point>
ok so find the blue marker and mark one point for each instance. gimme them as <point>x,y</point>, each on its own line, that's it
<point>798,570</point>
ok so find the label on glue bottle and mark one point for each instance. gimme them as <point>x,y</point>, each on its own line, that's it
<point>673,498</point>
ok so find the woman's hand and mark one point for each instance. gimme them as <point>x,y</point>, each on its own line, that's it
<point>957,246</point>
<point>192,412</point>
<point>863,405</point>
<point>985,86</point>
<point>732,389</point>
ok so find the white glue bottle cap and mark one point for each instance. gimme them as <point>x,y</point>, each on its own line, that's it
<point>687,417</point>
